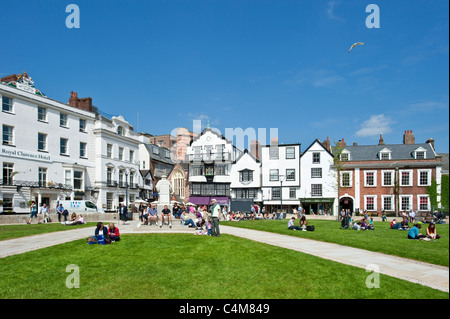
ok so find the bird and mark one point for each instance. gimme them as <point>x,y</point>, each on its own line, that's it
<point>354,45</point>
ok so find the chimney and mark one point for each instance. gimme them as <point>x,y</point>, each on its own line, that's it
<point>83,104</point>
<point>327,144</point>
<point>431,141</point>
<point>274,141</point>
<point>9,78</point>
<point>255,149</point>
<point>342,143</point>
<point>408,138</point>
<point>381,141</point>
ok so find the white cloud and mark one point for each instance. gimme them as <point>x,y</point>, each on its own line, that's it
<point>330,12</point>
<point>375,125</point>
<point>318,78</point>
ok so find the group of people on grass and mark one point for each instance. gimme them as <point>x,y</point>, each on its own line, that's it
<point>303,223</point>
<point>104,235</point>
<point>44,212</point>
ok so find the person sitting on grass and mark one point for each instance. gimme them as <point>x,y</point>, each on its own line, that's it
<point>404,225</point>
<point>186,221</point>
<point>431,231</point>
<point>303,221</point>
<point>113,232</point>
<point>292,226</point>
<point>414,233</point>
<point>76,222</point>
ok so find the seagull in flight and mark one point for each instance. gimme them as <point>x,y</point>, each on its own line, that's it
<point>354,45</point>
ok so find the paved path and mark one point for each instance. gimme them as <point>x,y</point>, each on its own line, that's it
<point>433,276</point>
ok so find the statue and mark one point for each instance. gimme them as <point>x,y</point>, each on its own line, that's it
<point>164,189</point>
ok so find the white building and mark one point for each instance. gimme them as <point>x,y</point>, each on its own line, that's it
<point>117,162</point>
<point>47,153</point>
<point>280,176</point>
<point>318,192</point>
<point>245,182</point>
<point>210,158</point>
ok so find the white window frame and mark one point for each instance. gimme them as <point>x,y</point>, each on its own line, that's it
<point>346,152</point>
<point>350,178</point>
<point>9,105</point>
<point>400,177</point>
<point>392,197</point>
<point>374,203</point>
<point>392,178</point>
<point>384,151</point>
<point>291,173</point>
<point>317,170</point>
<point>420,150</point>
<point>374,178</point>
<point>290,148</point>
<point>66,146</point>
<point>45,142</point>
<point>63,120</point>
<point>277,173</point>
<point>10,134</point>
<point>428,202</point>
<point>428,171</point>
<point>44,114</point>
<point>411,204</point>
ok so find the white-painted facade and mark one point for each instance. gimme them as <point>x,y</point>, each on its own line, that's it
<point>318,192</point>
<point>47,152</point>
<point>210,158</point>
<point>246,178</point>
<point>116,161</point>
<point>281,178</point>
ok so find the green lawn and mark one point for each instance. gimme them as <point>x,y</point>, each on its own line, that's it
<point>16,231</point>
<point>185,266</point>
<point>382,239</point>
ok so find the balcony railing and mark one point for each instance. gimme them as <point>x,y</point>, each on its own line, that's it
<point>35,184</point>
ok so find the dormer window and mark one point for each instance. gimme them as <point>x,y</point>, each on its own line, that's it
<point>384,154</point>
<point>420,153</point>
<point>120,130</point>
<point>344,156</point>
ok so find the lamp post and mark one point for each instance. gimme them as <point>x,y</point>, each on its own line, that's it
<point>126,190</point>
<point>281,194</point>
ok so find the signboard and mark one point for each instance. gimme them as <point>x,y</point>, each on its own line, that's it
<point>26,88</point>
<point>36,156</point>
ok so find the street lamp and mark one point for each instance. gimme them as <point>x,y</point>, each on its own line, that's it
<point>281,194</point>
<point>126,190</point>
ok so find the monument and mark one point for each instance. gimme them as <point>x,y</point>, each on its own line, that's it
<point>164,189</point>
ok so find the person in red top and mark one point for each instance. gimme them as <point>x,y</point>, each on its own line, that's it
<point>113,232</point>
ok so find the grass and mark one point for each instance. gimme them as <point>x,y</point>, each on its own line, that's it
<point>16,231</point>
<point>382,239</point>
<point>183,266</point>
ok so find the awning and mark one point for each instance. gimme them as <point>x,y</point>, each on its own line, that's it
<point>206,200</point>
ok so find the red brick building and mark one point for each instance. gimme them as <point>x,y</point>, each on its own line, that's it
<point>389,177</point>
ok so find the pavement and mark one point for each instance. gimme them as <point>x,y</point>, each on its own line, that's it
<point>430,275</point>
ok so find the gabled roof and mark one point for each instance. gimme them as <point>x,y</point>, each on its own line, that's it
<point>398,151</point>
<point>316,141</point>
<point>246,152</point>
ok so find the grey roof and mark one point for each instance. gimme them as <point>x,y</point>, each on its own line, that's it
<point>444,162</point>
<point>398,151</point>
<point>161,154</point>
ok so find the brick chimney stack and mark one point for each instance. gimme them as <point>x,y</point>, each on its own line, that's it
<point>408,138</point>
<point>9,78</point>
<point>342,143</point>
<point>381,141</point>
<point>255,150</point>
<point>83,104</point>
<point>431,141</point>
<point>327,144</point>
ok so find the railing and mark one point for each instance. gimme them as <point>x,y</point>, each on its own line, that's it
<point>35,184</point>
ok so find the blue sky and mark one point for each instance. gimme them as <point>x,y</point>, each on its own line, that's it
<point>243,64</point>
